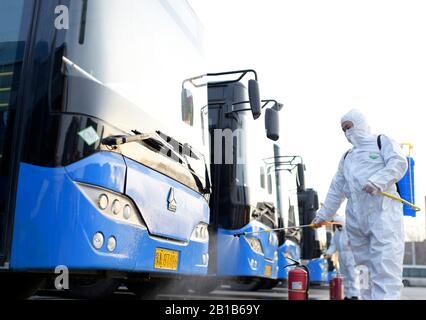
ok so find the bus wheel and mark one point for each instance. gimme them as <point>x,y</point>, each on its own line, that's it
<point>92,289</point>
<point>20,286</point>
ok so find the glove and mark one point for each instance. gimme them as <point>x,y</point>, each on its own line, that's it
<point>318,222</point>
<point>371,189</point>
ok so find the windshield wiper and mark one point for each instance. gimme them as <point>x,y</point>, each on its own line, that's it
<point>153,139</point>
<point>113,141</point>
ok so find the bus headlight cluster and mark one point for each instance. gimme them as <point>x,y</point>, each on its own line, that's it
<point>200,233</point>
<point>116,207</point>
<point>255,244</point>
<point>112,205</point>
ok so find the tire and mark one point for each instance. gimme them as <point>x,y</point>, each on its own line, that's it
<point>19,286</point>
<point>406,283</point>
<point>93,289</point>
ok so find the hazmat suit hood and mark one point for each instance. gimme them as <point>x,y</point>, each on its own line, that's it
<point>361,131</point>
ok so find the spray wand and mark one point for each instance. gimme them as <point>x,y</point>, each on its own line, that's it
<point>416,208</point>
<point>312,225</point>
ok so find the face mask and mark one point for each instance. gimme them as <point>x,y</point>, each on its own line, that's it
<point>350,135</point>
<point>355,136</point>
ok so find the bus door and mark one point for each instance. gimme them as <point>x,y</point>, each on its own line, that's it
<point>14,30</point>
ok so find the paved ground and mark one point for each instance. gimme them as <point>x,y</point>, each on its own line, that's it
<point>409,293</point>
<point>414,293</point>
<point>317,293</point>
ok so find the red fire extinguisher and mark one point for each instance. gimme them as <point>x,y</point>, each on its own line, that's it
<point>336,288</point>
<point>298,281</point>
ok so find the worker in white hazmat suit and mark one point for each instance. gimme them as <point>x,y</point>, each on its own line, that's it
<point>339,243</point>
<point>374,223</point>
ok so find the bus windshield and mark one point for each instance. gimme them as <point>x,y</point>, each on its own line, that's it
<point>144,52</point>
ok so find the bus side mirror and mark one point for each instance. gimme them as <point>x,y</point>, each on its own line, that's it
<point>278,106</point>
<point>254,95</point>
<point>301,177</point>
<point>187,107</point>
<point>272,124</point>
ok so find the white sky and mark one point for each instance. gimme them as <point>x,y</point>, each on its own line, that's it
<point>322,58</point>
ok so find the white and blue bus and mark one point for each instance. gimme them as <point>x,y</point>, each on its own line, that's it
<point>297,205</point>
<point>240,201</point>
<point>104,157</point>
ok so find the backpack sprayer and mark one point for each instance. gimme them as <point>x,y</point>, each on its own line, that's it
<point>406,186</point>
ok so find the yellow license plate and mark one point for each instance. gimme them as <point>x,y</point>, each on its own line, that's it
<point>166,259</point>
<point>268,271</point>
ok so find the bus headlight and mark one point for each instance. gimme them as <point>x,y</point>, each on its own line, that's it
<point>252,264</point>
<point>103,201</point>
<point>255,244</point>
<point>127,212</point>
<point>111,244</point>
<point>98,240</point>
<point>116,207</point>
<point>200,233</point>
